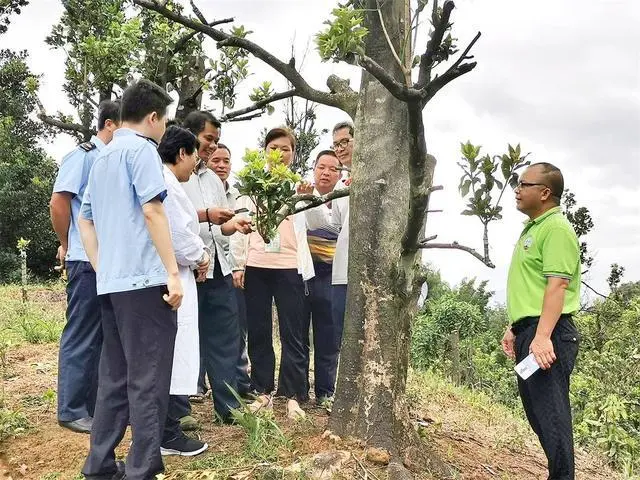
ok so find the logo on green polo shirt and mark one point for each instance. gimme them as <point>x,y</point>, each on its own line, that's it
<point>527,242</point>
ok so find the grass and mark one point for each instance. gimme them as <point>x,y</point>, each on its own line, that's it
<point>37,321</point>
<point>12,423</point>
<point>471,411</point>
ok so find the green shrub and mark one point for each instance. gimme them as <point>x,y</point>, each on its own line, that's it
<point>12,423</point>
<point>605,385</point>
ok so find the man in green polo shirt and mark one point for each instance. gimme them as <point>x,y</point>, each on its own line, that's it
<point>543,292</point>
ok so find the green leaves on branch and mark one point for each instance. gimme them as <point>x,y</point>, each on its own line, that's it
<point>263,92</point>
<point>344,36</point>
<point>111,56</point>
<point>479,182</point>
<point>230,68</point>
<point>270,185</point>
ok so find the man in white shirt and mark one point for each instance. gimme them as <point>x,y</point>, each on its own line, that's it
<point>343,147</point>
<point>220,164</point>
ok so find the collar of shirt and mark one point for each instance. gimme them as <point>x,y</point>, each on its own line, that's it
<point>97,142</point>
<point>545,215</point>
<point>129,132</point>
<point>528,224</point>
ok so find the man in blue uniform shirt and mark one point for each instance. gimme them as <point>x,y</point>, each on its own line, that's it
<point>126,235</point>
<point>82,335</point>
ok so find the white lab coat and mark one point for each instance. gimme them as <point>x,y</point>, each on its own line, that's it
<point>188,247</point>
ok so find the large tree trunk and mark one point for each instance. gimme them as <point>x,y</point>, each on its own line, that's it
<point>373,365</point>
<point>370,402</point>
<point>190,90</point>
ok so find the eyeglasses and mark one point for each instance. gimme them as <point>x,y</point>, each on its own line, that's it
<point>527,184</point>
<point>342,143</point>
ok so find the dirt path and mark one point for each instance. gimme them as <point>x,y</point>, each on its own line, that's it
<point>49,452</point>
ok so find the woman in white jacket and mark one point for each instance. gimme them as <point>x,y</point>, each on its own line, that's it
<point>179,152</point>
<point>275,271</point>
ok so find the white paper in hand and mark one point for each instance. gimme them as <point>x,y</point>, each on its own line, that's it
<point>527,367</point>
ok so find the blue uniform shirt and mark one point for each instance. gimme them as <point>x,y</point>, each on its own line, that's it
<point>73,176</point>
<point>126,175</point>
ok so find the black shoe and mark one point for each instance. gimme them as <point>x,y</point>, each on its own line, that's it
<point>183,446</point>
<point>82,425</point>
<point>118,475</point>
<point>249,395</point>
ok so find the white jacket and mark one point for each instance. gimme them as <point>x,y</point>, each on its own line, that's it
<point>338,222</point>
<point>239,244</point>
<point>188,248</point>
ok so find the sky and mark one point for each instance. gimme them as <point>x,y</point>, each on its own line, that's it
<point>560,77</point>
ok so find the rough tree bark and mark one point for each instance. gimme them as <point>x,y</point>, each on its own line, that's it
<point>370,401</point>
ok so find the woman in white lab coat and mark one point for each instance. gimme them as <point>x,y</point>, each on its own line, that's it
<point>179,151</point>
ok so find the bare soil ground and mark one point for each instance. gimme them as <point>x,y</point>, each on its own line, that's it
<point>480,440</point>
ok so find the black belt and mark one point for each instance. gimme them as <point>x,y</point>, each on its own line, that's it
<point>526,322</point>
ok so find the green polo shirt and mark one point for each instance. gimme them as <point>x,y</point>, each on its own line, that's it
<point>547,247</point>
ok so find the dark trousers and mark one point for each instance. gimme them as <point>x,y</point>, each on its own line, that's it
<point>80,345</point>
<point>262,285</point>
<point>326,345</point>
<point>139,331</point>
<point>202,383</point>
<point>219,339</point>
<point>175,408</point>
<point>242,368</point>
<point>545,395</point>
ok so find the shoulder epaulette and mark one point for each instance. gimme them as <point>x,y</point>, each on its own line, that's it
<point>151,140</point>
<point>87,146</point>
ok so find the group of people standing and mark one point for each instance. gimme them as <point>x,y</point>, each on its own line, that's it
<point>169,285</point>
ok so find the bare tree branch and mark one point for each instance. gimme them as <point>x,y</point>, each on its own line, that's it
<point>454,71</point>
<point>427,59</point>
<point>221,21</point>
<point>259,105</point>
<point>403,68</point>
<point>456,246</point>
<point>244,119</point>
<point>182,42</point>
<point>315,201</point>
<point>197,12</point>
<point>420,188</point>
<point>303,89</point>
<point>67,126</point>
<point>593,290</point>
<point>397,89</point>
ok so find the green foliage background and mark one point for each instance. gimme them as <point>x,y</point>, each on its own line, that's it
<point>27,174</point>
<point>605,385</point>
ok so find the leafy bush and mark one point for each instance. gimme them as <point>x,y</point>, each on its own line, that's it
<point>605,385</point>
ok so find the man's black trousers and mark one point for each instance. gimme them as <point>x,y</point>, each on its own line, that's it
<point>545,394</point>
<point>139,333</point>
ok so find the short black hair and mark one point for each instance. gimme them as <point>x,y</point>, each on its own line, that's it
<point>196,121</point>
<point>553,179</point>
<point>173,140</point>
<point>331,153</point>
<point>142,98</point>
<point>280,132</point>
<point>222,145</point>
<point>108,110</point>
<point>341,125</point>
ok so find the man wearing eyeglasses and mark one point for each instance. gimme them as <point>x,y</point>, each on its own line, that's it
<point>543,292</point>
<point>339,224</point>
